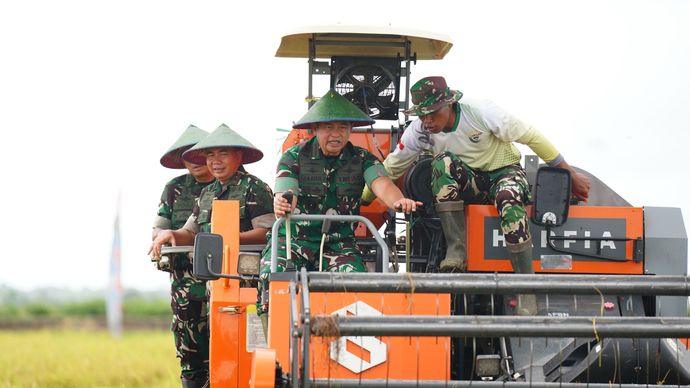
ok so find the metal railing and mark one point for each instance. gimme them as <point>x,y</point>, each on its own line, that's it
<point>322,217</point>
<point>499,283</point>
<point>381,383</point>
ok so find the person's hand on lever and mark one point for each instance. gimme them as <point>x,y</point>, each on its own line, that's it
<point>283,203</point>
<point>406,205</point>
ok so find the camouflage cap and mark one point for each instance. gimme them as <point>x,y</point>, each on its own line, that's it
<point>430,94</point>
<point>173,156</point>
<point>333,107</point>
<point>223,136</point>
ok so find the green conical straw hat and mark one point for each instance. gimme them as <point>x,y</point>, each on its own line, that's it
<point>223,136</point>
<point>333,107</point>
<point>173,156</point>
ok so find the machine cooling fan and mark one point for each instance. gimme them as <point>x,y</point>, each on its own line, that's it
<point>373,84</point>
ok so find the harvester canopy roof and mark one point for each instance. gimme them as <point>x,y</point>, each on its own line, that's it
<point>363,41</point>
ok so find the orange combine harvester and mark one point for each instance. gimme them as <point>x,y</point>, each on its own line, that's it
<point>611,280</point>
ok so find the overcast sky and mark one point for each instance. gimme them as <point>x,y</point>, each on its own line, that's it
<point>93,92</point>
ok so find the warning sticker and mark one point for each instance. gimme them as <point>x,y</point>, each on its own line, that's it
<point>255,332</point>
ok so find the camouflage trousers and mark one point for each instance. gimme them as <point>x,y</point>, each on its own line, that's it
<point>341,256</point>
<point>507,188</point>
<point>189,305</point>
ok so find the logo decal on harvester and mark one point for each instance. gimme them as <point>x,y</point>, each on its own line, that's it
<point>601,228</point>
<point>375,348</point>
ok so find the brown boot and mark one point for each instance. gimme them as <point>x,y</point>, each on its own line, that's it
<point>521,259</point>
<point>452,215</point>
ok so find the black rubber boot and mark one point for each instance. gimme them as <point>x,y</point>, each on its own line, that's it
<point>452,215</point>
<point>521,259</point>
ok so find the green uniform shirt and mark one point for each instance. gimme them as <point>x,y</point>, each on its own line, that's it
<point>255,197</point>
<point>178,199</point>
<point>326,185</point>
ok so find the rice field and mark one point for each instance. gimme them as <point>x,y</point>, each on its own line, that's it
<point>75,358</point>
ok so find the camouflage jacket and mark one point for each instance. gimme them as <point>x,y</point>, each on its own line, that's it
<point>178,199</point>
<point>326,185</point>
<point>255,197</point>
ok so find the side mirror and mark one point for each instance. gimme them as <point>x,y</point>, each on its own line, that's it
<point>552,196</point>
<point>208,256</point>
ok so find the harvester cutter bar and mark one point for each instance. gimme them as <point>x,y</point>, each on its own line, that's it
<point>495,283</point>
<point>346,383</point>
<point>509,326</point>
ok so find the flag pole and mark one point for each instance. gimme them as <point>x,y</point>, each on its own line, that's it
<point>114,293</point>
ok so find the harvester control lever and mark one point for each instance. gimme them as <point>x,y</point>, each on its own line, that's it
<point>325,228</point>
<point>165,261</point>
<point>288,195</point>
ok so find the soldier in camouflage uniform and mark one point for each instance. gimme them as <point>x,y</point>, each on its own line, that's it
<point>476,161</point>
<point>188,294</point>
<point>224,152</point>
<point>327,174</point>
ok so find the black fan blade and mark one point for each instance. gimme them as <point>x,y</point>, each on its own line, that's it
<point>371,86</point>
<point>350,78</point>
<point>386,102</point>
<point>382,84</point>
<point>350,96</point>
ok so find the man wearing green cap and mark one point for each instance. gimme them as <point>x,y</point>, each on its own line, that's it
<point>223,152</point>
<point>327,174</point>
<point>475,160</point>
<point>188,294</point>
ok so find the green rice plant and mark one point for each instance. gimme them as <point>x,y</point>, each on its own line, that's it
<point>139,307</point>
<point>38,309</point>
<point>93,307</point>
<point>74,358</point>
<point>9,310</point>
